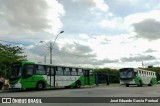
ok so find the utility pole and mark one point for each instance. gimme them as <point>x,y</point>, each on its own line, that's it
<point>50,52</point>
<point>45,59</point>
<point>142,64</point>
<point>51,46</point>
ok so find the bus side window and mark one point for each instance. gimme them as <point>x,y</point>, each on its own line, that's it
<point>52,71</point>
<point>91,72</point>
<point>66,71</point>
<point>144,73</point>
<point>74,72</point>
<point>28,70</point>
<point>48,71</point>
<point>137,72</point>
<point>59,71</point>
<point>40,70</point>
<point>80,72</point>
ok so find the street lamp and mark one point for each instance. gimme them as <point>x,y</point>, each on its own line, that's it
<point>143,66</point>
<point>51,46</point>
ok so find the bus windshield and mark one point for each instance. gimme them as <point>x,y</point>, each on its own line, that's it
<point>16,70</point>
<point>126,73</point>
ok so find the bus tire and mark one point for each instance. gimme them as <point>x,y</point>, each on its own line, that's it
<point>150,84</point>
<point>78,84</point>
<point>127,85</point>
<point>29,89</point>
<point>67,87</point>
<point>40,85</point>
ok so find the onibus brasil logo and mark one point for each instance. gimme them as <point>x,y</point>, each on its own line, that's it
<point>21,100</point>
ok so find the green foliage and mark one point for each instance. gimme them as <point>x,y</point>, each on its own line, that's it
<point>113,74</point>
<point>156,69</point>
<point>8,55</point>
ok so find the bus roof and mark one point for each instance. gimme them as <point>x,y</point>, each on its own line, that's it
<point>28,62</point>
<point>139,69</point>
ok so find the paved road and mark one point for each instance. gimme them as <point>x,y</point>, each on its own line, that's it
<point>101,91</point>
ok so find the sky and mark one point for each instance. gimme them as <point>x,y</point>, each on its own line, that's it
<point>97,33</point>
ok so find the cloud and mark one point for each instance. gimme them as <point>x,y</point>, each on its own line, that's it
<point>122,8</point>
<point>31,17</point>
<point>114,25</point>
<point>69,54</point>
<point>94,4</point>
<point>154,63</point>
<point>100,4</point>
<point>144,25</point>
<point>99,39</point>
<point>108,23</point>
<point>149,50</point>
<point>138,58</point>
<point>84,36</point>
<point>76,48</point>
<point>66,51</point>
<point>148,29</point>
<point>139,17</point>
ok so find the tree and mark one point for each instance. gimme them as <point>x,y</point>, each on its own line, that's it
<point>8,55</point>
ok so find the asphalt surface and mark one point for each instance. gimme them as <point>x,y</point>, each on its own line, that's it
<point>100,91</point>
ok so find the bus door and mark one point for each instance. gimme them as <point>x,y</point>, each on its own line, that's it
<point>91,77</point>
<point>28,79</point>
<point>87,80</point>
<point>51,76</point>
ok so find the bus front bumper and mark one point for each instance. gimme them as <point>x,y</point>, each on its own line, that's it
<point>15,86</point>
<point>130,82</point>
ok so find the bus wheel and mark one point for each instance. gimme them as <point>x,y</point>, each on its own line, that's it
<point>40,86</point>
<point>67,87</point>
<point>78,84</point>
<point>127,85</point>
<point>150,84</point>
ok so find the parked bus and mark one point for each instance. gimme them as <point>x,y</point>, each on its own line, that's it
<point>139,77</point>
<point>26,75</point>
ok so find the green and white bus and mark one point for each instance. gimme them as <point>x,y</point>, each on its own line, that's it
<point>26,75</point>
<point>139,77</point>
